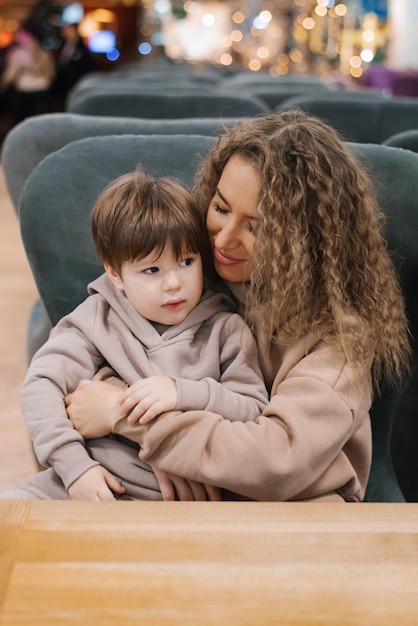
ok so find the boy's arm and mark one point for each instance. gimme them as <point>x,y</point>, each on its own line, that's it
<point>240,393</point>
<point>236,386</point>
<point>55,369</point>
<point>231,381</point>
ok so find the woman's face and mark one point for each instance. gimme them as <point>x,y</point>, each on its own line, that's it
<point>232,220</point>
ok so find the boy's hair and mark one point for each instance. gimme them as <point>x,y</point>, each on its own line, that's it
<point>137,214</point>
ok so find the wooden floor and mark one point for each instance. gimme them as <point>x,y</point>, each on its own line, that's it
<point>17,294</point>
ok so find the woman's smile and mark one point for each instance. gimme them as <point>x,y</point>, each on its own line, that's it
<point>232,220</point>
<point>226,258</point>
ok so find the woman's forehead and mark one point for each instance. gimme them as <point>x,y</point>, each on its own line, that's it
<point>239,184</point>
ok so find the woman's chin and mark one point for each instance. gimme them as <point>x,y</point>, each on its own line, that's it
<point>231,274</point>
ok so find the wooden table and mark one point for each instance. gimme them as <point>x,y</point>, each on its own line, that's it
<point>258,564</point>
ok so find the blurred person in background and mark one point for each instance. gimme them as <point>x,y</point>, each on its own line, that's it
<point>74,61</point>
<point>28,75</point>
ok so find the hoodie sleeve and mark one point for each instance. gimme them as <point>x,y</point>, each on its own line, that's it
<point>55,370</point>
<point>313,438</point>
<point>240,393</point>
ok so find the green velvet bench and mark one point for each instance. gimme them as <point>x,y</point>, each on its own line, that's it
<point>54,213</point>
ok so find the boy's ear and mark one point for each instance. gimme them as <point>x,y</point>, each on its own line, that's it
<point>113,276</point>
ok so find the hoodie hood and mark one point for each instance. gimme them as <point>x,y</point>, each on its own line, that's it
<point>209,304</point>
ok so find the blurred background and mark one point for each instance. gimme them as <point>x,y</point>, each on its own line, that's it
<point>324,37</point>
<point>268,52</point>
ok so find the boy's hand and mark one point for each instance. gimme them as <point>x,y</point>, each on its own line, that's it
<point>95,484</point>
<point>148,398</point>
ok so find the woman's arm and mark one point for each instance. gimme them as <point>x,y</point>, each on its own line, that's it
<point>313,439</point>
<point>271,459</point>
<point>11,70</point>
<point>93,410</point>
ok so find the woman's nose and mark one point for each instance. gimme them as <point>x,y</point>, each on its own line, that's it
<point>227,236</point>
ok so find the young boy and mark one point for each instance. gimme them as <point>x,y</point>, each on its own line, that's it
<point>147,320</point>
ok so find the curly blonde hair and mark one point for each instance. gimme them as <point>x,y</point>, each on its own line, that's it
<point>320,262</point>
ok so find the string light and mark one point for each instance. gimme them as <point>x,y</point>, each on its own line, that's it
<point>318,36</point>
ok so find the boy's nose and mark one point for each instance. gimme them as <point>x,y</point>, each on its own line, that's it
<point>172,281</point>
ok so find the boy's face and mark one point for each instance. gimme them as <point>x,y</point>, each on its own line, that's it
<point>163,289</point>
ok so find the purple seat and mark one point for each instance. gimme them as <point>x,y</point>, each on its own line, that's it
<point>405,85</point>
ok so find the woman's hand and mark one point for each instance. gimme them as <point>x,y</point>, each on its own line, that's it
<point>177,488</point>
<point>94,408</point>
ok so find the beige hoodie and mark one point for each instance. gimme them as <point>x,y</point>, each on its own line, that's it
<point>211,355</point>
<point>312,442</point>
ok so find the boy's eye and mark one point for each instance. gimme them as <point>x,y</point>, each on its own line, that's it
<point>186,262</point>
<point>151,270</point>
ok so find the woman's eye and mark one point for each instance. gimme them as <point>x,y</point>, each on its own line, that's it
<point>151,270</point>
<point>219,209</point>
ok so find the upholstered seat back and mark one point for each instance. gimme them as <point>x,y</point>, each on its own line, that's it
<point>54,214</point>
<point>63,186</point>
<point>408,139</point>
<point>166,105</point>
<point>58,196</point>
<point>33,139</point>
<point>157,78</point>
<point>358,117</point>
<point>394,416</point>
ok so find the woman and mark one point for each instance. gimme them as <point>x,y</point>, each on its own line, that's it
<point>29,73</point>
<point>297,236</point>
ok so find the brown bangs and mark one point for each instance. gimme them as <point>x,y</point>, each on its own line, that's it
<point>177,227</point>
<point>138,215</point>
